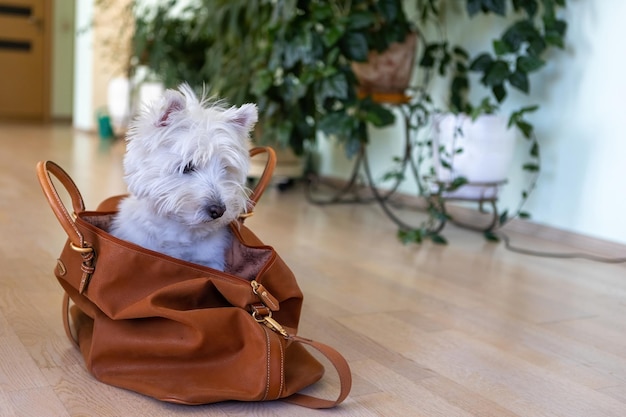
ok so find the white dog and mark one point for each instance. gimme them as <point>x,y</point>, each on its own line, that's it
<point>186,165</point>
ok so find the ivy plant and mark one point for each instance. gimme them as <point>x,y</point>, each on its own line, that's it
<point>507,62</point>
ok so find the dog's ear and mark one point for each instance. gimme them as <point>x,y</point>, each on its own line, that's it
<point>244,117</point>
<point>174,102</point>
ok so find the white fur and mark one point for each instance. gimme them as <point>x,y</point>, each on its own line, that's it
<point>185,157</point>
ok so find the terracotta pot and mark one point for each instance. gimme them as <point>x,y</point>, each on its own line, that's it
<point>389,71</point>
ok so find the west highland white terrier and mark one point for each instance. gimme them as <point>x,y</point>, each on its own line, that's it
<point>185,166</point>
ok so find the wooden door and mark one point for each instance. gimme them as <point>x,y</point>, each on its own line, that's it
<point>25,47</point>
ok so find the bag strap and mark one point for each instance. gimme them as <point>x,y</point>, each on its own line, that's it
<point>266,177</point>
<point>342,368</point>
<point>65,311</point>
<point>44,169</point>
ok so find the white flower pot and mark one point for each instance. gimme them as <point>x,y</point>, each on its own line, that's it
<point>118,101</point>
<point>149,91</point>
<point>486,150</point>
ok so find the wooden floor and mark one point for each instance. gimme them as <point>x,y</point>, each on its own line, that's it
<point>470,329</point>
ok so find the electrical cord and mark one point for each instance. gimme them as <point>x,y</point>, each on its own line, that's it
<point>559,255</point>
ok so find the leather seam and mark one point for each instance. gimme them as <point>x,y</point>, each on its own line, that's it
<point>282,370</point>
<point>267,384</point>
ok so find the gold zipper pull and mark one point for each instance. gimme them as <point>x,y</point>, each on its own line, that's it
<point>266,298</point>
<point>275,326</point>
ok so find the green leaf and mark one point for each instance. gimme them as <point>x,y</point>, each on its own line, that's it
<point>555,40</point>
<point>333,87</point>
<point>390,9</point>
<point>460,83</point>
<point>456,184</point>
<point>534,150</point>
<point>491,236</point>
<point>436,238</point>
<point>529,63</point>
<point>528,109</point>
<point>501,48</point>
<point>497,73</point>
<point>261,83</point>
<point>499,92</point>
<point>504,217</point>
<point>445,164</point>
<point>361,19</point>
<point>444,62</point>
<point>429,57</point>
<point>537,45</point>
<point>481,63</point>
<point>519,80</point>
<point>524,215</point>
<point>460,52</point>
<point>337,123</point>
<point>410,236</point>
<point>531,167</point>
<point>378,115</point>
<point>355,46</point>
<point>473,7</point>
<point>554,26</point>
<point>283,132</point>
<point>496,6</point>
<point>525,127</point>
<point>519,33</point>
<point>396,176</point>
<point>529,6</point>
<point>332,35</point>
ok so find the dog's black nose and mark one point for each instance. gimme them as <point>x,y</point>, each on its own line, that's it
<point>216,210</point>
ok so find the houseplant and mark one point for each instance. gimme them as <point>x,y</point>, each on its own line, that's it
<point>291,57</point>
<point>533,29</point>
<point>307,84</point>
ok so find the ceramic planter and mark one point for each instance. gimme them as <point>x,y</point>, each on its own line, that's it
<point>480,150</point>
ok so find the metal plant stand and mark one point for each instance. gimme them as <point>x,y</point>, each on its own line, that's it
<point>488,197</point>
<point>361,178</point>
<point>352,191</point>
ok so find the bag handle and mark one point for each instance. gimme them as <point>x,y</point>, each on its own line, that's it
<point>266,177</point>
<point>44,169</point>
<point>342,368</point>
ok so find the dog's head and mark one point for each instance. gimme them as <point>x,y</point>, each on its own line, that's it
<point>189,158</point>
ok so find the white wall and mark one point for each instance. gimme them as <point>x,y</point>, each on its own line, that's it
<point>100,55</point>
<point>580,127</point>
<point>83,67</point>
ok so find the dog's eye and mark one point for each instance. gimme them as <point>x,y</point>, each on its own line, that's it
<point>190,167</point>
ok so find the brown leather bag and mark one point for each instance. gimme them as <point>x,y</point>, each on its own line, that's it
<point>178,331</point>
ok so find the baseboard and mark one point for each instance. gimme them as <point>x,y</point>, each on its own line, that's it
<point>576,241</point>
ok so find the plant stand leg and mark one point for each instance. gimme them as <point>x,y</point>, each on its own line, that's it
<point>351,192</point>
<point>494,217</point>
<point>342,195</point>
<point>385,204</point>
